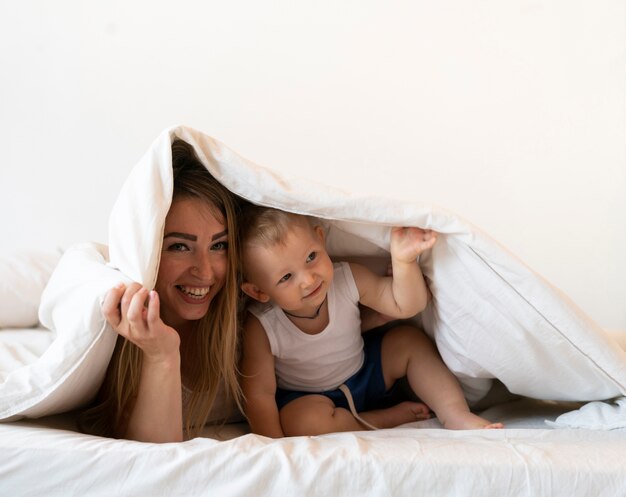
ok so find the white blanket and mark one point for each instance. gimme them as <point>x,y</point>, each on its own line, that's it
<point>491,316</point>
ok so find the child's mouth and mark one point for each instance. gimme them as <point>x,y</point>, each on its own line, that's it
<point>314,292</point>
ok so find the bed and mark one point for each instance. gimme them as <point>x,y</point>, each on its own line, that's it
<point>523,352</point>
<point>48,457</point>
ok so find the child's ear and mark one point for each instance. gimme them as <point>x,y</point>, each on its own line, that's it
<point>319,231</point>
<point>253,291</point>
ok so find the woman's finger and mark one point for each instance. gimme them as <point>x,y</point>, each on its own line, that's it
<point>127,298</point>
<point>111,305</point>
<point>137,309</point>
<point>154,310</point>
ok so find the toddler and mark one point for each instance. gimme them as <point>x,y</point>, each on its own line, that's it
<point>306,368</point>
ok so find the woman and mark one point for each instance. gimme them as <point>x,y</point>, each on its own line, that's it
<point>177,349</point>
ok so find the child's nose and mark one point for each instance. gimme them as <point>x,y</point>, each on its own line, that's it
<point>308,278</point>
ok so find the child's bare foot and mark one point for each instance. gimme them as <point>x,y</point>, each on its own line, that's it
<point>416,411</point>
<point>404,412</point>
<point>467,421</point>
<point>494,426</point>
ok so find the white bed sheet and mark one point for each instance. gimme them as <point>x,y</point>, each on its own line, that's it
<point>47,457</point>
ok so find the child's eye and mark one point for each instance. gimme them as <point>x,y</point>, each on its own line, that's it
<point>223,245</point>
<point>311,256</point>
<point>177,247</point>
<point>284,278</point>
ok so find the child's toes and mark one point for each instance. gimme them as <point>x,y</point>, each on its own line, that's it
<point>421,411</point>
<point>494,426</point>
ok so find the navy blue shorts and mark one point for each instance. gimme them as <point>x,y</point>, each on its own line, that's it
<point>367,385</point>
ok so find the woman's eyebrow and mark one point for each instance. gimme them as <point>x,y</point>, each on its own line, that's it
<point>219,235</point>
<point>185,236</point>
<point>193,238</point>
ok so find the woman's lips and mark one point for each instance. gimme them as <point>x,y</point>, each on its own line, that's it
<point>194,295</point>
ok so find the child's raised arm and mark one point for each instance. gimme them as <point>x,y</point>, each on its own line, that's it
<point>258,381</point>
<point>404,294</point>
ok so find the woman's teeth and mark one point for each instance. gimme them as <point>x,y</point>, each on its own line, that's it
<point>194,292</point>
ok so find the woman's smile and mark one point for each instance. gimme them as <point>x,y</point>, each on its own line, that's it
<point>194,295</point>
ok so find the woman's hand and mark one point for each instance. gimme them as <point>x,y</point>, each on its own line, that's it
<point>134,313</point>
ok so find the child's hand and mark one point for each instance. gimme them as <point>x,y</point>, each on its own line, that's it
<point>408,243</point>
<point>134,313</point>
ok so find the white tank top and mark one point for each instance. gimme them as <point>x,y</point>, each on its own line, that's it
<point>314,363</point>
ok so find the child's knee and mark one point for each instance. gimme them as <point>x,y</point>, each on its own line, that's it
<point>307,417</point>
<point>408,338</point>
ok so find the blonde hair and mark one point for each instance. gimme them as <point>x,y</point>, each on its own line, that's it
<point>266,226</point>
<point>214,355</point>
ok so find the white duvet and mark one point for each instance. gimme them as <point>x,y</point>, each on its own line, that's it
<point>491,316</point>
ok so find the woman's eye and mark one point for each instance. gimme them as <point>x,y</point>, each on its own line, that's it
<point>177,247</point>
<point>311,256</point>
<point>284,278</point>
<point>223,245</point>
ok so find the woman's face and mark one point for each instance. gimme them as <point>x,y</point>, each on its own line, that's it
<point>193,261</point>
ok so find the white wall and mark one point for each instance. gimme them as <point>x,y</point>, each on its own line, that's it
<point>512,114</point>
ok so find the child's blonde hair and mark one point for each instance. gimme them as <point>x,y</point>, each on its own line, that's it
<point>266,226</point>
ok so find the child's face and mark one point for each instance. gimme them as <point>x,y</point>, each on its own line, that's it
<point>295,274</point>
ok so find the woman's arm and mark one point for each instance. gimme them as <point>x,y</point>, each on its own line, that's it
<point>156,413</point>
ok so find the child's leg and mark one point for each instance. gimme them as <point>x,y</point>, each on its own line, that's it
<point>407,351</point>
<point>317,414</point>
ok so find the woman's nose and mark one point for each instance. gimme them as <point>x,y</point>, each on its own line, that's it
<point>203,268</point>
